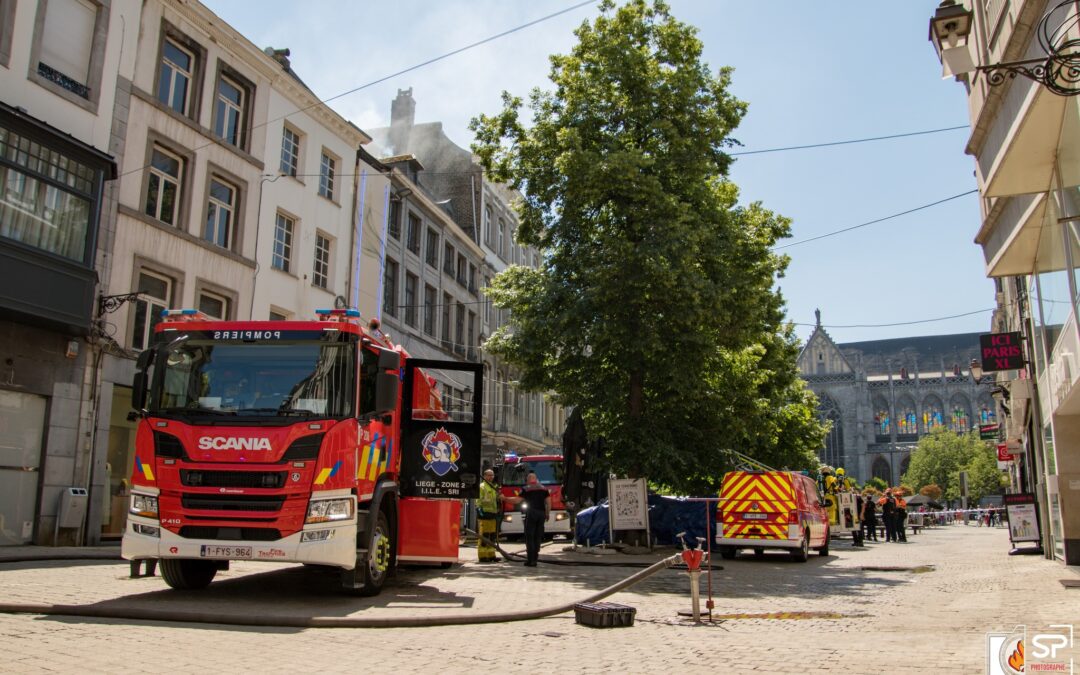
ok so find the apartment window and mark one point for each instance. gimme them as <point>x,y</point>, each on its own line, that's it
<point>326,176</point>
<point>412,235</point>
<point>448,259</point>
<point>487,303</point>
<point>155,296</point>
<point>321,276</point>
<point>501,250</point>
<point>447,302</point>
<point>487,225</point>
<point>163,189</point>
<point>432,251</point>
<point>220,212</point>
<point>472,278</point>
<point>411,283</point>
<point>394,225</point>
<point>69,56</point>
<point>290,151</point>
<point>459,328</point>
<point>472,330</point>
<point>213,305</point>
<point>278,316</point>
<point>462,267</point>
<point>283,243</point>
<point>175,77</point>
<point>45,196</point>
<point>229,108</point>
<point>429,310</point>
<point>390,287</point>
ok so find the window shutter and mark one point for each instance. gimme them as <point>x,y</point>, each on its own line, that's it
<point>68,37</point>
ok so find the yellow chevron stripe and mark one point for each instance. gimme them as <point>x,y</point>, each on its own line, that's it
<point>734,483</point>
<point>373,466</point>
<point>147,471</point>
<point>323,475</point>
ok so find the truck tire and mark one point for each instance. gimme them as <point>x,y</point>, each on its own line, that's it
<point>802,554</point>
<point>372,566</point>
<point>188,575</point>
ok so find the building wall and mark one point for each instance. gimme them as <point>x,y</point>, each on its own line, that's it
<point>1026,145</point>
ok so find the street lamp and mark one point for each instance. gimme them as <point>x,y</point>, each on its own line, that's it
<point>976,370</point>
<point>1058,71</point>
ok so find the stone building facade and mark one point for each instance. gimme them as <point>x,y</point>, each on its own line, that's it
<point>881,396</point>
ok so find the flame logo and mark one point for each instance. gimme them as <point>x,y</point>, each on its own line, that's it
<point>441,451</point>
<point>1016,659</point>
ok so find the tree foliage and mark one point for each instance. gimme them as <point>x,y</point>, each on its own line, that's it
<point>877,484</point>
<point>654,309</point>
<point>932,491</point>
<point>942,455</point>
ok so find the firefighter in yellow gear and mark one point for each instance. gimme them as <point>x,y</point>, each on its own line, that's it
<point>487,517</point>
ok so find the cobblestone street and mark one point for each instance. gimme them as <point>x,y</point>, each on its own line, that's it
<point>833,614</point>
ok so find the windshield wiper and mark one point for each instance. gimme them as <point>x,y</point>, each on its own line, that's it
<point>278,411</point>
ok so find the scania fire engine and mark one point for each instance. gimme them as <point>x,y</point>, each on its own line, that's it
<point>549,471</point>
<point>318,442</point>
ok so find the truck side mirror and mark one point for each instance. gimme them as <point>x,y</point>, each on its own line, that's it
<point>138,385</point>
<point>389,359</point>
<point>386,392</point>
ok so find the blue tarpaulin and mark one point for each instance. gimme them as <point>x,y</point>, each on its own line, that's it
<point>668,516</point>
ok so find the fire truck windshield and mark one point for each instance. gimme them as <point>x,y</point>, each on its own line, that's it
<point>279,379</point>
<point>548,472</point>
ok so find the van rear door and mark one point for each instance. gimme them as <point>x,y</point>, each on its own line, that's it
<point>757,504</point>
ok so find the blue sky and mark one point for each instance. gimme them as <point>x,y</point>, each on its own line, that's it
<point>812,72</point>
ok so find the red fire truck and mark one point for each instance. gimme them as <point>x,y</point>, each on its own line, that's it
<point>549,471</point>
<point>318,442</point>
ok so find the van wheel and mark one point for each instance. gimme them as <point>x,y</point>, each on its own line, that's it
<point>759,553</point>
<point>802,554</point>
<point>824,549</point>
<point>188,575</point>
<point>727,553</point>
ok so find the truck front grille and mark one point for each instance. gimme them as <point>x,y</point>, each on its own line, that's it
<point>232,502</point>
<point>230,533</point>
<point>239,479</point>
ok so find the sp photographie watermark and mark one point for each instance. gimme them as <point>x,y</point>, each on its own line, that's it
<point>1017,652</point>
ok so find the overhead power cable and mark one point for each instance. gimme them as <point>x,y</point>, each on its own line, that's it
<point>403,71</point>
<point>900,323</point>
<point>856,140</point>
<point>872,222</point>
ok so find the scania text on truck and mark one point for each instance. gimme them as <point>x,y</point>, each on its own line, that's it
<point>549,471</point>
<point>318,442</point>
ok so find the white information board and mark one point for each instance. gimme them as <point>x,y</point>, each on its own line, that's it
<point>629,504</point>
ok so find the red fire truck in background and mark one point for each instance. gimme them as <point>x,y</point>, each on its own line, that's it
<point>511,478</point>
<point>318,442</point>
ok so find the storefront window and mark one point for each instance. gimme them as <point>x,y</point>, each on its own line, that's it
<point>121,457</point>
<point>1052,278</point>
<point>1053,503</point>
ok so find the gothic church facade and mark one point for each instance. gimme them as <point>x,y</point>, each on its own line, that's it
<point>881,396</point>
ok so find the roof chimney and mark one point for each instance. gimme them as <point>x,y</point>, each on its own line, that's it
<point>402,115</point>
<point>279,55</point>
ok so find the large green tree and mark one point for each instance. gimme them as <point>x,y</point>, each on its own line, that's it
<point>942,455</point>
<point>655,309</point>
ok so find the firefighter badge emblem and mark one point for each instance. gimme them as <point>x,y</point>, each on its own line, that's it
<point>441,451</point>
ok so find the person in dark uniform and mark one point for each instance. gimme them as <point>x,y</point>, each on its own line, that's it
<point>869,518</point>
<point>536,503</point>
<point>888,514</point>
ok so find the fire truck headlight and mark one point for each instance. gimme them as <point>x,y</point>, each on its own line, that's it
<point>326,510</point>
<point>144,505</point>
<point>508,518</point>
<point>560,516</point>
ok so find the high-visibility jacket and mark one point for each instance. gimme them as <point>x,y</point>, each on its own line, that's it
<point>489,500</point>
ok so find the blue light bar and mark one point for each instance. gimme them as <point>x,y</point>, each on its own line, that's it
<point>353,313</point>
<point>179,312</point>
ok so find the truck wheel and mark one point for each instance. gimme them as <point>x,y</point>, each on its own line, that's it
<point>802,554</point>
<point>188,575</point>
<point>759,553</point>
<point>372,566</point>
<point>727,553</point>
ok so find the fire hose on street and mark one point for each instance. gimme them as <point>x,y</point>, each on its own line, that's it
<point>158,614</point>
